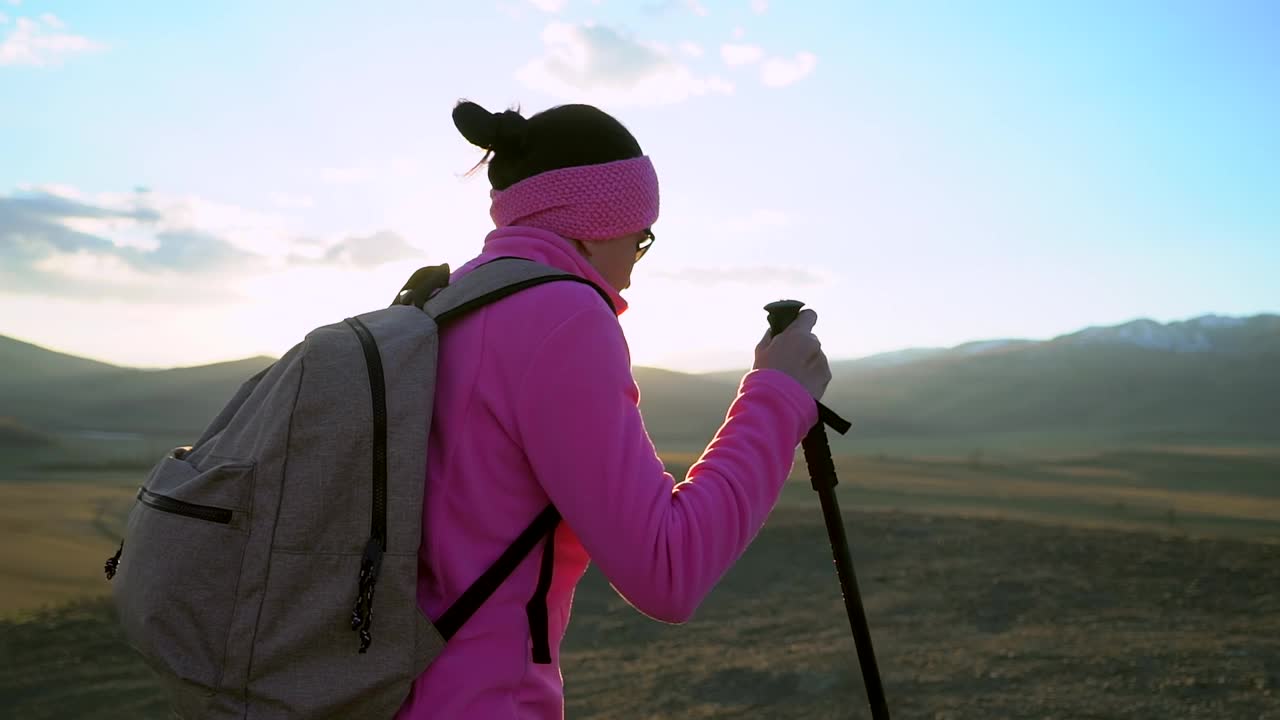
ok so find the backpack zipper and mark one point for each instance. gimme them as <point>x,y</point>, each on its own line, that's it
<point>371,562</point>
<point>164,503</point>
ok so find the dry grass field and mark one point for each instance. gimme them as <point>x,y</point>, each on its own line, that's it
<point>54,538</point>
<point>972,618</point>
<point>1138,583</point>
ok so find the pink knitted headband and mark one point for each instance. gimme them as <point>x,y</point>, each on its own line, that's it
<point>589,202</point>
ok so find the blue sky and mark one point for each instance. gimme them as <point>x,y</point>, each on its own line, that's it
<point>188,182</point>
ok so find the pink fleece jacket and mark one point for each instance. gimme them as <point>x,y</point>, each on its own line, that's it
<point>535,403</point>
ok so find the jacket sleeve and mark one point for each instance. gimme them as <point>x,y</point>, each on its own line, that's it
<point>663,545</point>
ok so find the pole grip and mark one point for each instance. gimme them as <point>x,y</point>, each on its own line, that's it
<point>781,314</point>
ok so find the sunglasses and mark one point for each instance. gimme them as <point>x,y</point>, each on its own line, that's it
<point>645,243</point>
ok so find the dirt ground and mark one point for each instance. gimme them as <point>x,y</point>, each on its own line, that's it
<point>971,619</point>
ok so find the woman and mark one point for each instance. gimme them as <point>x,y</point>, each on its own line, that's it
<point>536,404</point>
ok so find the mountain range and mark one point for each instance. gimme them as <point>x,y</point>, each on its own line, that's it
<point>1207,376</point>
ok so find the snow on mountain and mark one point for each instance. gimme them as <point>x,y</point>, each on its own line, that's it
<point>1179,337</point>
<point>982,346</point>
<point>1219,321</point>
<point>1207,333</point>
<point>895,357</point>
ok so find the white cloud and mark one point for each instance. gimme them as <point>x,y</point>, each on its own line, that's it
<point>739,32</point>
<point>377,249</point>
<point>758,219</point>
<point>780,72</point>
<point>719,85</point>
<point>691,49</point>
<point>52,21</point>
<point>759,7</point>
<point>89,268</point>
<point>120,245</point>
<point>512,11</point>
<point>3,18</point>
<point>549,6</point>
<point>248,229</point>
<point>402,166</point>
<point>697,8</point>
<point>754,275</point>
<point>345,175</point>
<point>62,190</point>
<point>33,43</point>
<point>594,63</point>
<point>146,246</point>
<point>734,55</point>
<point>291,201</point>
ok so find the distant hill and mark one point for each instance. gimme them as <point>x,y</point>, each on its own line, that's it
<point>26,364</point>
<point>682,409</point>
<point>57,392</point>
<point>1213,334</point>
<point>1205,334</point>
<point>1206,376</point>
<point>1063,385</point>
<point>16,436</point>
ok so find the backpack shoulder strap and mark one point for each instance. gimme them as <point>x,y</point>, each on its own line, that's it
<point>485,284</point>
<point>493,281</point>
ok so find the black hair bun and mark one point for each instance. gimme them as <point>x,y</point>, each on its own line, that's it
<point>502,132</point>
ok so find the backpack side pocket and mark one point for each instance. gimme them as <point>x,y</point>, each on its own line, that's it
<point>176,585</point>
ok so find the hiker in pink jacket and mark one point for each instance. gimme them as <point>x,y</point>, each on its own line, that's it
<point>536,405</point>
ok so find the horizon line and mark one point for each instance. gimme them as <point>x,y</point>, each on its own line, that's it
<point>244,358</point>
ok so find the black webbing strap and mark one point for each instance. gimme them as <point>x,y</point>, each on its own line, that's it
<point>454,314</point>
<point>486,584</point>
<point>539,631</point>
<point>543,525</point>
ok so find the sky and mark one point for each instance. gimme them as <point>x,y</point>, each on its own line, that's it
<point>184,183</point>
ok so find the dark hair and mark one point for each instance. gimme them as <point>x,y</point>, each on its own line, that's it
<point>560,137</point>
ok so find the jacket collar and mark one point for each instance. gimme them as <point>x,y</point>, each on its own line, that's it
<point>548,248</point>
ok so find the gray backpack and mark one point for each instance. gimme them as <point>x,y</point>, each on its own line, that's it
<point>254,555</point>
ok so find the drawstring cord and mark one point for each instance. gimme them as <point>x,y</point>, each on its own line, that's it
<point>113,562</point>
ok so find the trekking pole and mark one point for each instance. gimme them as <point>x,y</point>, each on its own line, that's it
<point>822,473</point>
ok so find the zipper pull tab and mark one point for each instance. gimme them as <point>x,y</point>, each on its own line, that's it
<point>113,562</point>
<point>362,613</point>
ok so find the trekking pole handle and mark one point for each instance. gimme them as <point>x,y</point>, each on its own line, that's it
<point>781,314</point>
